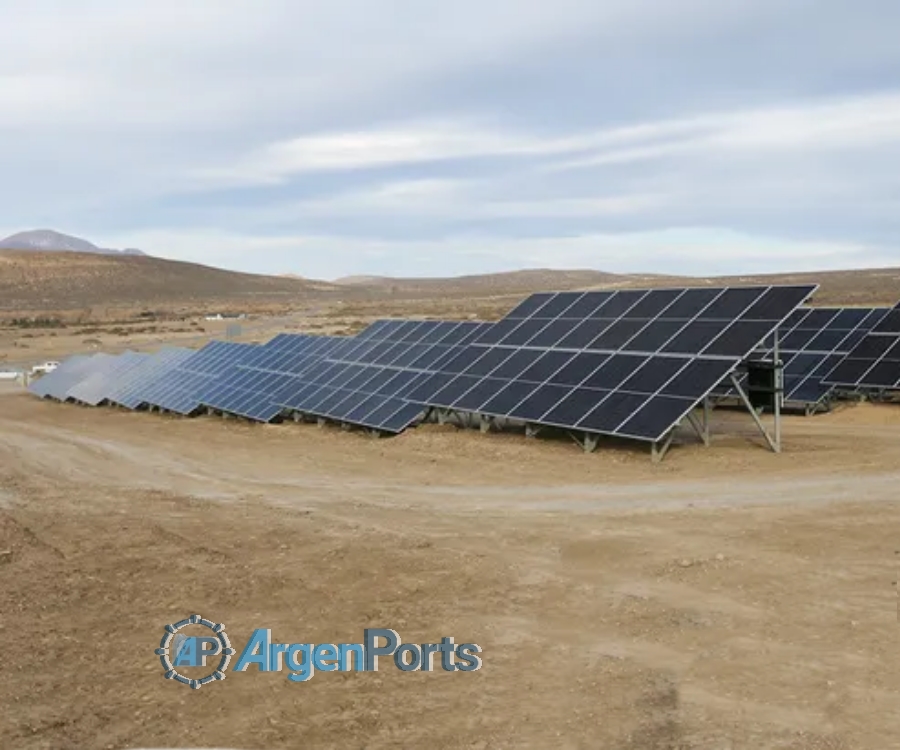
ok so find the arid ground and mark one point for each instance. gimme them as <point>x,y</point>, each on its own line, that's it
<point>726,598</point>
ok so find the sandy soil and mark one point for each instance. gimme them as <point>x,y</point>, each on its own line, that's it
<point>727,598</point>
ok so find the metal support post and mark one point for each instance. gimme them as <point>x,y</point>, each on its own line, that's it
<point>779,391</point>
<point>659,449</point>
<point>707,419</point>
<point>699,428</point>
<point>735,381</point>
<point>585,440</point>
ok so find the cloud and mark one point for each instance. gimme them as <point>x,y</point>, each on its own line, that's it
<point>429,137</point>
<point>853,123</point>
<point>407,143</point>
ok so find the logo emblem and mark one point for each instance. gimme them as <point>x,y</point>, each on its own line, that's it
<point>192,651</point>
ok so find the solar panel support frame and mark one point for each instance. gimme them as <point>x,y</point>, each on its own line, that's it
<point>774,441</point>
<point>701,425</point>
<point>659,449</point>
<point>587,441</point>
<point>779,388</point>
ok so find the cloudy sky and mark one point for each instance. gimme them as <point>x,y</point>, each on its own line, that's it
<point>417,137</point>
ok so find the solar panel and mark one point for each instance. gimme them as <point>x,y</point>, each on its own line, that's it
<point>93,389</point>
<point>812,341</point>
<point>365,380</point>
<point>57,383</point>
<point>132,386</point>
<point>630,363</point>
<point>181,389</point>
<point>251,388</point>
<point>874,363</point>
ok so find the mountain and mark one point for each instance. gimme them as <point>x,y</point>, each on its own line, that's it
<point>47,240</point>
<point>66,281</point>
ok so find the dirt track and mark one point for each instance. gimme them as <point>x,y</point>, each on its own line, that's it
<point>728,598</point>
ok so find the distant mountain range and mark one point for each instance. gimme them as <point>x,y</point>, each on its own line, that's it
<point>46,240</point>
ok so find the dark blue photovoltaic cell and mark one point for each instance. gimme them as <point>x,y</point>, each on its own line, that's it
<point>530,306</point>
<point>890,323</point>
<point>655,417</point>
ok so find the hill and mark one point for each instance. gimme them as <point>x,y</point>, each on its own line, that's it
<point>48,240</point>
<point>880,286</point>
<point>63,281</point>
<point>511,282</point>
<point>72,281</point>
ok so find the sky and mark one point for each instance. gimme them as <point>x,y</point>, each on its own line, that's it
<point>329,138</point>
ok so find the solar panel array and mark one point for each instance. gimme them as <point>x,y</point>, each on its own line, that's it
<point>366,380</point>
<point>180,391</point>
<point>130,388</point>
<point>629,363</point>
<point>812,342</point>
<point>92,390</point>
<point>360,380</point>
<point>874,363</point>
<point>57,383</point>
<point>251,386</point>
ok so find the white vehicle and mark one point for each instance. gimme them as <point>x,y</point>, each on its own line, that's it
<point>9,375</point>
<point>44,368</point>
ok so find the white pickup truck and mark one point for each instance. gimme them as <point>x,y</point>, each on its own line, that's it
<point>44,368</point>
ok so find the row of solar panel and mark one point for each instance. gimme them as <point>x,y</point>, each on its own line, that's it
<point>812,342</point>
<point>684,304</point>
<point>386,376</point>
<point>558,388</point>
<point>542,376</point>
<point>874,364</point>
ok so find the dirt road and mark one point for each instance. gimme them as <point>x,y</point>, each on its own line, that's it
<point>727,598</point>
